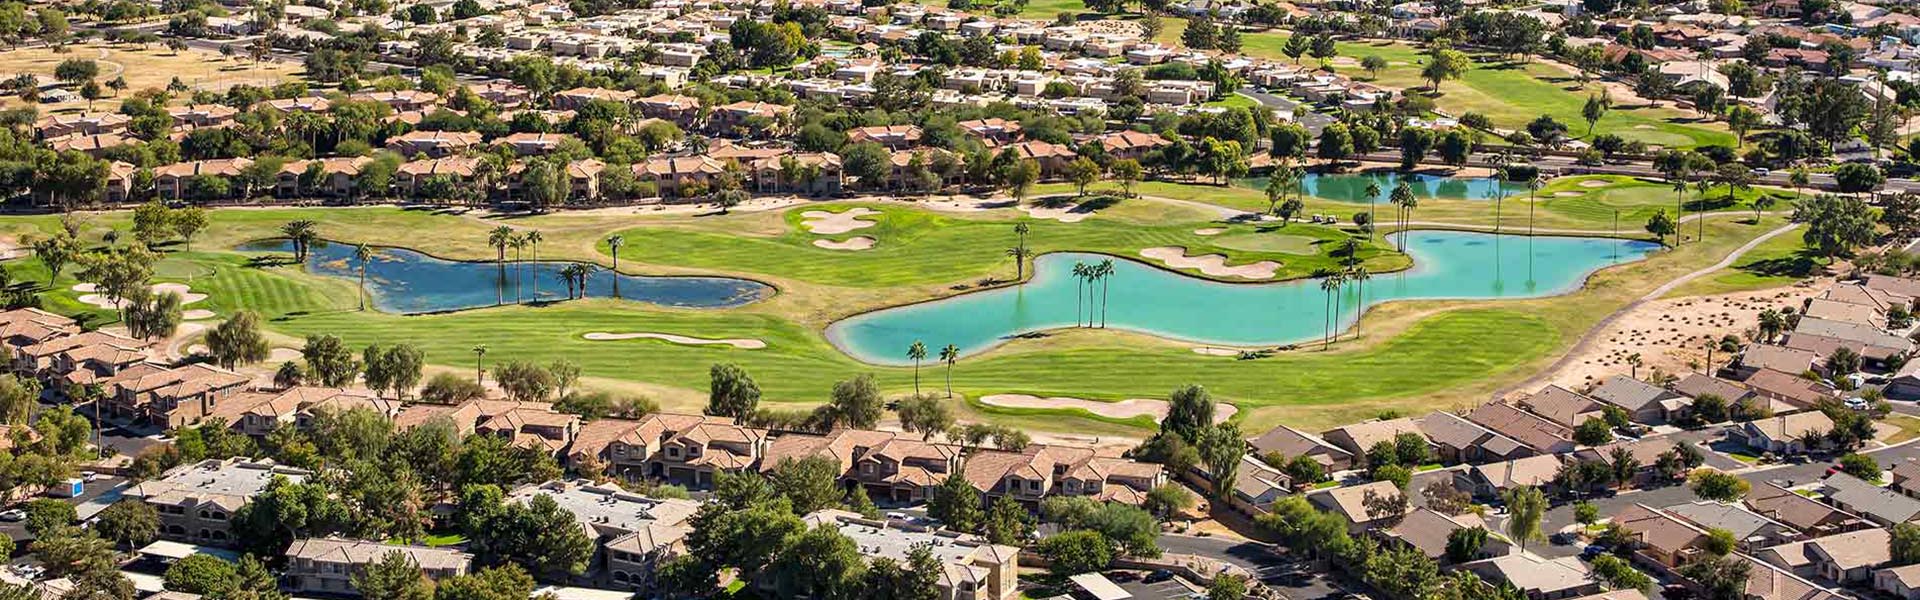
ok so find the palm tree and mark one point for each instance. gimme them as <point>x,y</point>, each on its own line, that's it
<point>500,238</point>
<point>1373,198</point>
<point>1080,271</point>
<point>301,233</point>
<point>1358,274</point>
<point>586,272</point>
<point>917,352</point>
<point>1533,199</point>
<point>1679,193</point>
<point>1020,256</point>
<point>518,243</point>
<point>364,255</point>
<point>1497,194</point>
<point>1327,285</point>
<point>533,241</point>
<point>1106,271</point>
<point>615,241</point>
<point>949,355</point>
<point>1402,198</point>
<point>479,374</point>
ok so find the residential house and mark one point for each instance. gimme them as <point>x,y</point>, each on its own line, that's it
<point>196,502</point>
<point>1644,402</point>
<point>530,143</point>
<point>1643,452</point>
<point>1661,538</point>
<point>893,137</point>
<point>993,132</point>
<point>1560,405</point>
<point>813,173</point>
<point>306,104</point>
<point>970,567</point>
<point>545,430</point>
<point>1769,582</point>
<point>1257,485</point>
<point>91,145</point>
<point>1758,357</point>
<point>1811,517</point>
<point>1038,471</point>
<point>1428,530</point>
<point>1357,438</point>
<point>1906,478</point>
<point>1351,503</point>
<point>1489,480</point>
<point>750,118</point>
<point>680,176</point>
<point>331,565</point>
<point>200,116</point>
<point>1783,434</point>
<point>1900,582</point>
<point>1052,158</point>
<point>176,397</point>
<point>681,110</point>
<point>181,181</point>
<point>91,123</point>
<point>258,413</point>
<point>1290,442</point>
<point>402,100</point>
<point>1751,530</point>
<point>1695,385</point>
<point>1536,576</point>
<point>433,144</point>
<point>1544,436</point>
<point>1847,558</point>
<point>1877,504</point>
<point>412,178</point>
<point>333,177</point>
<point>1458,440</point>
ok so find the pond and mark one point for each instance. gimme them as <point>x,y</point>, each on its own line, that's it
<point>1352,187</point>
<point>1147,299</point>
<point>406,281</point>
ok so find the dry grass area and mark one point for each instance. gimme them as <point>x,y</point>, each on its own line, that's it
<point>149,67</point>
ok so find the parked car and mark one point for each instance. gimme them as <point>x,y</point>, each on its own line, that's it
<point>1158,576</point>
<point>1560,538</point>
<point>13,515</point>
<point>1593,550</point>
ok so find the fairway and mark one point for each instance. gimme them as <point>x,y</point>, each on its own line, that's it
<point>1407,356</point>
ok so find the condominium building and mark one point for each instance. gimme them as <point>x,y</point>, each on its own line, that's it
<point>632,533</point>
<point>196,502</point>
<point>329,565</point>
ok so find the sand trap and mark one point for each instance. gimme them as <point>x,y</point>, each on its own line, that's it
<point>280,355</point>
<point>857,243</point>
<point>1210,231</point>
<point>1595,183</point>
<point>197,314</point>
<point>829,223</point>
<point>1069,214</point>
<point>88,295</point>
<point>1568,194</point>
<point>741,343</point>
<point>1210,264</point>
<point>1212,351</point>
<point>1124,409</point>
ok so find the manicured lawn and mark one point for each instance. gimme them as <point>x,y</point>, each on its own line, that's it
<point>1744,457</point>
<point>1637,200</point>
<point>1909,427</point>
<point>1777,262</point>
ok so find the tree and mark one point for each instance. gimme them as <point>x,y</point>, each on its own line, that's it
<point>1227,586</point>
<point>925,415</point>
<point>44,514</point>
<point>955,503</point>
<point>1904,544</point>
<point>917,579</point>
<point>1221,448</point>
<point>1835,224</point>
<point>856,402</point>
<point>1076,552</point>
<point>539,535</point>
<point>1860,465</point>
<point>394,577</point>
<point>1374,64</point>
<point>809,483</point>
<point>1593,432</point>
<point>731,392</point>
<point>509,582</point>
<point>1304,469</point>
<point>1718,486</point>
<point>329,361</point>
<point>302,234</point>
<point>1009,523</point>
<point>202,574</point>
<point>1595,108</point>
<point>1661,226</point>
<point>1128,172</point>
<point>1723,578</point>
<point>524,381</point>
<point>1525,507</point>
<point>1741,120</point>
<point>1082,172</point>
<point>1444,64</point>
<point>1619,574</point>
<point>949,354</point>
<point>1168,498</point>
<point>1855,178</point>
<point>129,523</point>
<point>917,352</point>
<point>1464,544</point>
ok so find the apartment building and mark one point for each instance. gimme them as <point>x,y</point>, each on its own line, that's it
<point>632,533</point>
<point>329,565</point>
<point>196,502</point>
<point>970,568</point>
<point>1039,471</point>
<point>170,397</point>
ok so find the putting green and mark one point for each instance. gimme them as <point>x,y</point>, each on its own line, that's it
<point>1268,242</point>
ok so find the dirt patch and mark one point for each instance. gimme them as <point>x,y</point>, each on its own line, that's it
<point>1124,409</point>
<point>857,243</point>
<point>280,355</point>
<point>741,343</point>
<point>821,222</point>
<point>1210,231</point>
<point>1211,264</point>
<point>1672,334</point>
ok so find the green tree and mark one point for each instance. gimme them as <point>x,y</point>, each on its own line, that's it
<point>1008,523</point>
<point>810,483</point>
<point>202,574</point>
<point>1221,448</point>
<point>44,514</point>
<point>925,415</point>
<point>1189,411</point>
<point>731,392</point>
<point>1860,465</point>
<point>1444,64</point>
<point>394,577</point>
<point>1076,552</point>
<point>1661,226</point>
<point>1836,225</point>
<point>917,352</point>
<point>1593,432</point>
<point>955,503</point>
<point>1525,508</point>
<point>1718,486</point>
<point>1904,544</point>
<point>1464,544</point>
<point>329,361</point>
<point>1595,109</point>
<point>129,523</point>
<point>856,402</point>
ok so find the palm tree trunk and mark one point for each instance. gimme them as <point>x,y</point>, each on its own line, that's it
<point>1103,301</point>
<point>363,285</point>
<point>536,272</point>
<point>916,377</point>
<point>1078,289</point>
<point>949,380</point>
<point>1360,305</point>
<point>1326,319</point>
<point>616,273</point>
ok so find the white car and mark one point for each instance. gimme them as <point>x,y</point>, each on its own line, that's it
<point>13,516</point>
<point>89,476</point>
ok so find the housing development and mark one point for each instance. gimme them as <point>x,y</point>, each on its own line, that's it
<point>973,299</point>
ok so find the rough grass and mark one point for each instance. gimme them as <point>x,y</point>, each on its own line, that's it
<point>151,67</point>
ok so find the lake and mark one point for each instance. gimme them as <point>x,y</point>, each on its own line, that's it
<point>1352,187</point>
<point>1147,299</point>
<point>406,281</point>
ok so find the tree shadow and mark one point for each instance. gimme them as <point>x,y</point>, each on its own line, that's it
<point>270,261</point>
<point>1801,264</point>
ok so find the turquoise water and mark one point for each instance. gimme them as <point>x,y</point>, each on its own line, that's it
<point>1447,264</point>
<point>1352,187</point>
<point>406,281</point>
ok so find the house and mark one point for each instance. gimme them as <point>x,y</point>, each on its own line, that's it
<point>1643,452</point>
<point>1847,558</point>
<point>680,176</point>
<point>1489,480</point>
<point>905,468</point>
<point>754,118</point>
<point>1643,401</point>
<point>1457,440</point>
<point>330,565</point>
<point>334,177</point>
<point>180,181</point>
<point>1257,485</point>
<point>199,116</point>
<point>970,568</point>
<point>413,178</point>
<point>1810,517</point>
<point>682,110</point>
<point>544,430</point>
<point>1428,530</point>
<point>433,144</point>
<point>1130,145</point>
<point>1661,538</point>
<point>175,397</point>
<point>632,533</point>
<point>1783,434</point>
<point>529,143</point>
<point>90,123</point>
<point>1766,581</point>
<point>1536,576</point>
<point>994,132</point>
<point>400,101</point>
<point>307,104</point>
<point>1561,405</point>
<point>196,502</point>
<point>814,173</point>
<point>1904,478</point>
<point>1352,503</point>
<point>1290,442</point>
<point>91,145</point>
<point>1357,438</point>
<point>1543,436</point>
<point>1052,158</point>
<point>259,413</point>
<point>1877,504</point>
<point>1758,357</point>
<point>893,137</point>
<point>1695,386</point>
<point>1751,530</point>
<point>1900,582</point>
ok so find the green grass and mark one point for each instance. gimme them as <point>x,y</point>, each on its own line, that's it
<point>1744,457</point>
<point>1777,262</point>
<point>1637,200</point>
<point>1234,100</point>
<point>1909,427</point>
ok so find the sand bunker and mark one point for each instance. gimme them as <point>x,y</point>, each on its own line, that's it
<point>1210,231</point>
<point>89,296</point>
<point>1124,409</point>
<point>857,243</point>
<point>1210,264</point>
<point>741,343</point>
<point>829,223</point>
<point>1066,214</point>
<point>197,314</point>
<point>1595,183</point>
<point>280,355</point>
<point>1568,194</point>
<point>1212,351</point>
